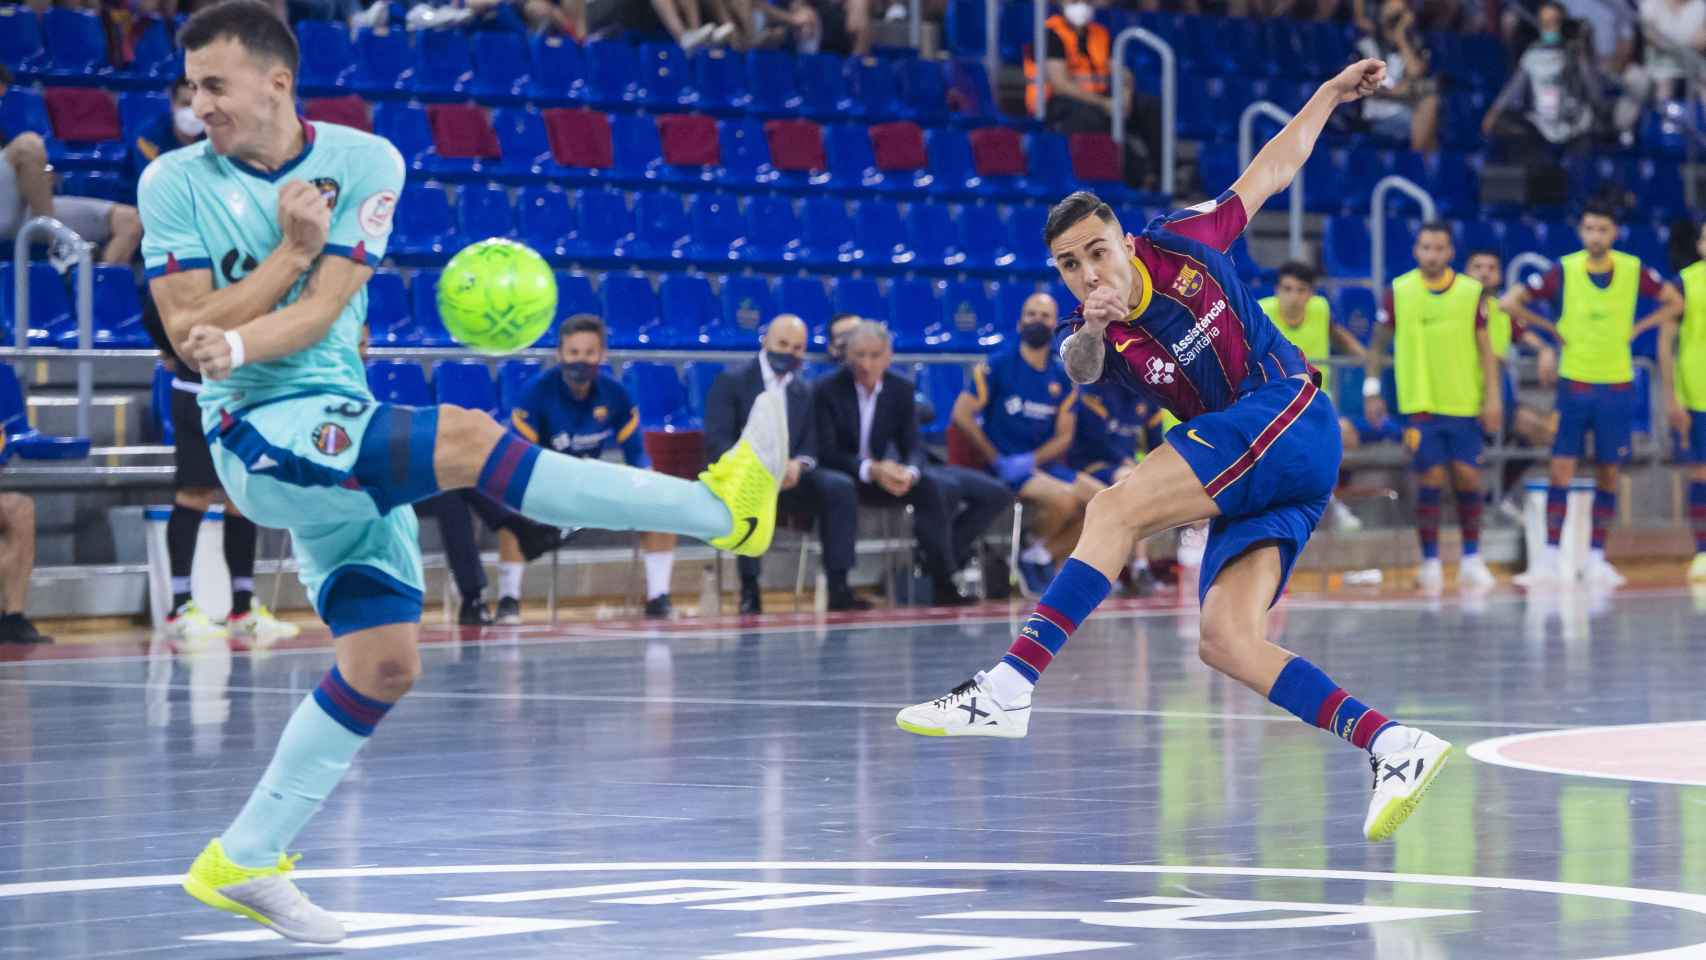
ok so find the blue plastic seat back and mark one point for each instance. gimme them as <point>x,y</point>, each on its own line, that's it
<point>719,77</point>
<point>700,375</point>
<point>860,295</point>
<point>603,219</point>
<point>20,38</point>
<point>423,214</point>
<point>443,63</point>
<point>689,311</point>
<point>630,307</point>
<point>14,415</point>
<point>484,211</point>
<point>522,141</point>
<point>543,215</point>
<point>658,391</point>
<point>824,224</point>
<point>50,305</point>
<point>747,305</point>
<point>931,234</point>
<point>969,314</point>
<point>407,127</point>
<point>76,42</point>
<point>327,56</point>
<point>21,109</point>
<point>559,67</point>
<point>941,384</point>
<point>874,88</point>
<point>772,77</point>
<point>400,382</point>
<point>665,78</point>
<point>660,223</point>
<point>877,228</point>
<point>387,309</point>
<point>806,298</point>
<point>823,85</point>
<point>116,302</point>
<point>465,383</point>
<point>717,226</point>
<point>963,32</point>
<point>924,84</point>
<point>429,330</point>
<point>612,72</point>
<point>138,110</point>
<point>384,62</point>
<point>501,61</point>
<point>513,377</point>
<point>574,295</point>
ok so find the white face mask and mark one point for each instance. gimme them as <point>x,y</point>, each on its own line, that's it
<point>1078,14</point>
<point>187,122</point>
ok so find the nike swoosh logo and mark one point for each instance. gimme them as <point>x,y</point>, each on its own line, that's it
<point>1192,433</point>
<point>1120,347</point>
<point>751,525</point>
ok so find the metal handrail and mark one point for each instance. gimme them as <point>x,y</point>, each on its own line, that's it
<point>85,300</point>
<point>915,24</point>
<point>1169,94</point>
<point>992,43</point>
<point>1039,50</point>
<point>1247,149</point>
<point>1377,220</point>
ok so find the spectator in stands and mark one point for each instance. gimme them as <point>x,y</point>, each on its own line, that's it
<point>180,128</point>
<point>575,409</point>
<point>26,190</point>
<point>565,17</point>
<point>825,494</point>
<point>17,563</point>
<point>1606,32</point>
<point>867,428</point>
<point>840,326</point>
<point>1026,406</point>
<point>1407,107</point>
<point>1595,292</point>
<point>1553,97</point>
<point>795,24</point>
<point>1114,429</point>
<point>1682,373</point>
<point>1077,68</point>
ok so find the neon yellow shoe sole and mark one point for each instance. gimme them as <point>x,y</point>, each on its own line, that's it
<point>740,479</point>
<point>274,901</point>
<point>921,731</point>
<point>1399,810</point>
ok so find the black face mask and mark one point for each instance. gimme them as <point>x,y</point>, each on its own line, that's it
<point>580,373</point>
<point>1036,334</point>
<point>781,364</point>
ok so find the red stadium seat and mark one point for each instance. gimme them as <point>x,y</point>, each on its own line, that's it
<point>997,152</point>
<point>82,114</point>
<point>350,111</point>
<point>580,138</point>
<point>689,140</point>
<point>898,146</point>
<point>1095,158</point>
<point>463,131</point>
<point>796,145</point>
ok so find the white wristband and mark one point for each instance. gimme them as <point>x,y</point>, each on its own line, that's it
<point>1371,387</point>
<point>235,341</point>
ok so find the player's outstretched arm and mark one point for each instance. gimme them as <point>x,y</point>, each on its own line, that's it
<point>285,331</point>
<point>1278,162</point>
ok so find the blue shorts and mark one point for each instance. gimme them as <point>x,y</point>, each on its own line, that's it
<point>1697,436</point>
<point>1053,468</point>
<point>1434,440</point>
<point>338,473</point>
<point>1607,410</point>
<point>1389,431</point>
<point>1270,462</point>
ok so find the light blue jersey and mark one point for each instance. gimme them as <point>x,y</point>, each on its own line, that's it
<point>203,211</point>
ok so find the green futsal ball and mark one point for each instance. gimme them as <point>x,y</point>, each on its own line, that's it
<point>497,296</point>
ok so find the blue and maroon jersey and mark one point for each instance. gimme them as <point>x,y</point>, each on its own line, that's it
<point>1197,341</point>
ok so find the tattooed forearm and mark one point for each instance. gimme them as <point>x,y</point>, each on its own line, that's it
<point>1082,354</point>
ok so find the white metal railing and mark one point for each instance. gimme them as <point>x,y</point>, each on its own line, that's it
<point>1377,221</point>
<point>992,44</point>
<point>60,233</point>
<point>915,24</point>
<point>1169,95</point>
<point>1247,150</point>
<point>1522,260</point>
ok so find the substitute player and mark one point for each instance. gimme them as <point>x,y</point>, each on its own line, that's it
<point>1257,453</point>
<point>259,243</point>
<point>1449,392</point>
<point>1596,289</point>
<point>1682,365</point>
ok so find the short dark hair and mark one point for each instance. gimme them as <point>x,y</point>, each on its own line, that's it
<point>1075,207</point>
<point>181,83</point>
<point>5,76</point>
<point>837,318</point>
<point>1600,208</point>
<point>1298,270</point>
<point>583,323</point>
<point>1437,226</point>
<point>251,23</point>
<point>1485,252</point>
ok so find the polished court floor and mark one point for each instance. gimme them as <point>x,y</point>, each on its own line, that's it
<point>741,791</point>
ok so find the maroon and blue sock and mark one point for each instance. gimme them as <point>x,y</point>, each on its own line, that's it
<point>1076,591</point>
<point>1604,513</point>
<point>1427,521</point>
<point>1314,698</point>
<point>1469,506</point>
<point>1697,513</point>
<point>355,711</point>
<point>1557,503</point>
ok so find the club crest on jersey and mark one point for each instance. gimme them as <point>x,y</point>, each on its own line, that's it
<point>329,189</point>
<point>1158,371</point>
<point>331,439</point>
<point>1054,389</point>
<point>601,414</point>
<point>1188,282</point>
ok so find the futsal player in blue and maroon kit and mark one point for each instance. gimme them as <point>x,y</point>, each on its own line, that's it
<point>1257,454</point>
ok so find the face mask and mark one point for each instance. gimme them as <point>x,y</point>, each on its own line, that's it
<point>1552,38</point>
<point>1036,334</point>
<point>187,122</point>
<point>1078,14</point>
<point>579,373</point>
<point>781,364</point>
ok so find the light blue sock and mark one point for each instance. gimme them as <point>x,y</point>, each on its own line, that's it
<point>567,491</point>
<point>313,754</point>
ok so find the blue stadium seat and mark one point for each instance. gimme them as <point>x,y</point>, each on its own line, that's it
<point>941,384</point>
<point>659,393</point>
<point>806,298</point>
<point>880,242</point>
<point>21,47</point>
<point>156,61</point>
<point>484,211</point>
<point>874,90</point>
<point>513,377</point>
<point>914,317</point>
<point>952,174</point>
<point>384,65</point>
<point>612,75</point>
<point>852,169</point>
<point>823,87</point>
<point>661,229</point>
<point>826,235</point>
<point>1013,30</point>
<point>1009,306</point>
<point>969,318</point>
<point>1025,240</point>
<point>388,318</point>
<point>1345,247</point>
<point>745,155</point>
<point>328,60</point>
<point>1249,269</point>
<point>1658,188</point>
<point>574,295</point>
<point>425,232</point>
<point>1558,238</point>
<point>503,69</point>
<point>772,232</point>
<point>23,439</point>
<point>630,309</point>
<point>21,109</point>
<point>604,227</point>
<point>117,319</point>
<point>772,84</point>
<point>160,402</point>
<point>559,70</point>
<point>859,295</point>
<point>924,87</point>
<point>717,229</point>
<point>1648,241</point>
<point>408,128</point>
<point>138,109</point>
<point>401,382</point>
<point>982,239</point>
<point>963,28</point>
<point>101,184</point>
<point>51,313</point>
<point>638,155</point>
<point>443,65</point>
<point>525,147</point>
<point>665,79</point>
<point>423,298</point>
<point>1049,173</point>
<point>76,49</point>
<point>933,239</point>
<point>1475,234</point>
<point>545,220</point>
<point>692,318</point>
<point>700,375</point>
<point>719,79</point>
<point>747,305</point>
<point>465,383</point>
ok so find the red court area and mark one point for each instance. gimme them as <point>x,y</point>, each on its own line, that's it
<point>1660,753</point>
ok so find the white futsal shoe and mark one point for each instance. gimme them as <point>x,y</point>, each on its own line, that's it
<point>1401,776</point>
<point>1697,569</point>
<point>968,710</point>
<point>1544,570</point>
<point>1430,576</point>
<point>189,629</point>
<point>1601,573</point>
<point>1472,574</point>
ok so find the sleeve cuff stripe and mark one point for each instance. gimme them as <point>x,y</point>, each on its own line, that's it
<point>198,264</point>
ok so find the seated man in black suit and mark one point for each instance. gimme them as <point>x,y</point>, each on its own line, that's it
<point>807,488</point>
<point>867,427</point>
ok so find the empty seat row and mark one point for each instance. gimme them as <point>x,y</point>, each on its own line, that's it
<point>117,307</point>
<point>66,46</point>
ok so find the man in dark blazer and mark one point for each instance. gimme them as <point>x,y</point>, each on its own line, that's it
<point>808,488</point>
<point>867,427</point>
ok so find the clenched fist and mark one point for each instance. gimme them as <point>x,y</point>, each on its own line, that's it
<point>1103,306</point>
<point>208,351</point>
<point>1360,79</point>
<point>303,218</point>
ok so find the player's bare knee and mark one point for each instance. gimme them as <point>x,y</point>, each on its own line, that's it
<point>391,676</point>
<point>196,498</point>
<point>465,439</point>
<point>27,151</point>
<point>1223,641</point>
<point>126,223</point>
<point>1112,508</point>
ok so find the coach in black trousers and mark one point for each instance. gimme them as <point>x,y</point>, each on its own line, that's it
<point>867,427</point>
<point>807,487</point>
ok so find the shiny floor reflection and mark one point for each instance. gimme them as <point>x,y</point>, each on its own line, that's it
<point>729,793</point>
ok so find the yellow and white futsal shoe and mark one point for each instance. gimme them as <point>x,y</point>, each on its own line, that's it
<point>748,476</point>
<point>265,896</point>
<point>968,710</point>
<point>1400,778</point>
<point>1697,569</point>
<point>259,628</point>
<point>190,630</point>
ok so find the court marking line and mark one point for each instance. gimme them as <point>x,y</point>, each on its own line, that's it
<point>1676,900</point>
<point>455,695</point>
<point>1490,751</point>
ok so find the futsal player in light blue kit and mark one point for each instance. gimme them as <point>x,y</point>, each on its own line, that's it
<point>258,244</point>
